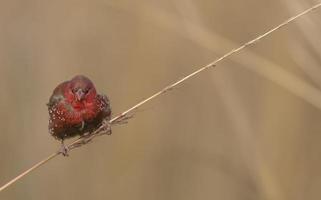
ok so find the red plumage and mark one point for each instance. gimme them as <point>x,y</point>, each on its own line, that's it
<point>75,108</point>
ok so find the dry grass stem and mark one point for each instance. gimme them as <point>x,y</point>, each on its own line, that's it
<point>250,60</point>
<point>128,113</point>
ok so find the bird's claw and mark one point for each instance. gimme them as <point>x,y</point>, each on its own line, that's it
<point>64,150</point>
<point>106,127</point>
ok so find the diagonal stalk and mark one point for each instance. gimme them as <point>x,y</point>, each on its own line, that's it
<point>124,115</point>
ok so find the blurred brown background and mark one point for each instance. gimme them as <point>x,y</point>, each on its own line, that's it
<point>248,129</point>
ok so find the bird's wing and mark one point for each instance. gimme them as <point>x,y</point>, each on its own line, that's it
<point>105,108</point>
<point>57,95</point>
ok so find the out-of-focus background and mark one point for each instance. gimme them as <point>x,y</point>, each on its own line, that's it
<point>248,129</point>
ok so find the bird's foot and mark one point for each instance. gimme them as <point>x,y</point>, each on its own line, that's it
<point>64,150</point>
<point>106,127</point>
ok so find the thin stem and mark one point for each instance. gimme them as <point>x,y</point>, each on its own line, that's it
<point>29,170</point>
<point>124,114</point>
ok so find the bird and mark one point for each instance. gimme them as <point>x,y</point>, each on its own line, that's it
<point>75,108</point>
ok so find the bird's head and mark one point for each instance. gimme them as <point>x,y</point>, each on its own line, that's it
<point>80,89</point>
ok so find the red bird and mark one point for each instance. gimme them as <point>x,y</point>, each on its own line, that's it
<point>75,108</point>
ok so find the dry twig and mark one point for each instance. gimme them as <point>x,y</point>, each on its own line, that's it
<point>127,114</point>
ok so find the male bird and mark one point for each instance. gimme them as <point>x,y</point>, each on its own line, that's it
<point>75,108</point>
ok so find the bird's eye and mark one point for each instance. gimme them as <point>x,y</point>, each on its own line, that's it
<point>74,90</point>
<point>86,91</point>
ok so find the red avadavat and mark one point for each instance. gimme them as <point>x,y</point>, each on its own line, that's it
<point>75,108</point>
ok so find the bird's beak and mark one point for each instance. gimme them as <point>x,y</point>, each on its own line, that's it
<point>80,94</point>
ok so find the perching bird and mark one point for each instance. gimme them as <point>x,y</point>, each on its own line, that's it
<point>75,108</point>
